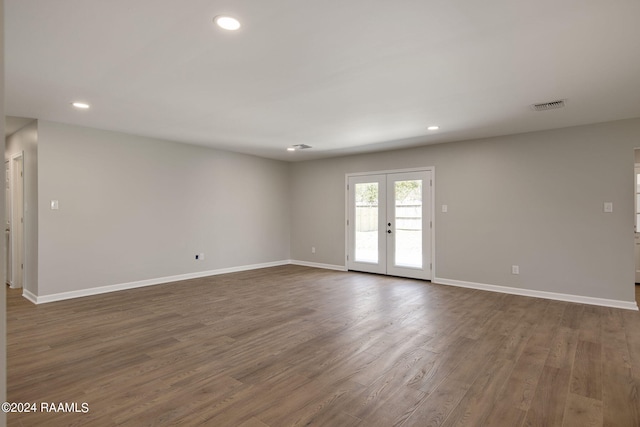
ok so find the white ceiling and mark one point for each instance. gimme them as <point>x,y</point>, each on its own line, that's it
<point>341,76</point>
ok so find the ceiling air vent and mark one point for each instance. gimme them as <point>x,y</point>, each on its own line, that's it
<point>549,105</point>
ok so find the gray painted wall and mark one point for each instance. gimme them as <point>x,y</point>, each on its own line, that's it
<point>534,200</point>
<point>134,208</point>
<point>26,141</point>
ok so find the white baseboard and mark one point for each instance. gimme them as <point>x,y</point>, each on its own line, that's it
<point>319,265</point>
<point>627,305</point>
<point>138,284</point>
<point>30,296</point>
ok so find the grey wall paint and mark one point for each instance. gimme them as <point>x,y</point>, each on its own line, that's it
<point>534,200</point>
<point>133,208</point>
<point>26,141</point>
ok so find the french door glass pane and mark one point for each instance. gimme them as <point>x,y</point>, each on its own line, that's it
<point>408,223</point>
<point>366,242</point>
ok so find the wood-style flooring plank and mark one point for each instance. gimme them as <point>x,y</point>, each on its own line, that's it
<point>477,403</point>
<point>586,378</point>
<point>583,412</point>
<point>550,399</point>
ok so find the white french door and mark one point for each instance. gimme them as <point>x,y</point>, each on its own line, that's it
<point>389,224</point>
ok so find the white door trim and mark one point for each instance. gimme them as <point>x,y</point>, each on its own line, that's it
<point>18,258</point>
<point>8,212</point>
<point>636,234</point>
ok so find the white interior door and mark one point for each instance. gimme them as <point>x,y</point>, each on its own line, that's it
<point>637,223</point>
<point>7,201</point>
<point>389,224</point>
<point>17,222</point>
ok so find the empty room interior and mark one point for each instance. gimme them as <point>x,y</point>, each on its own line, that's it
<point>321,213</point>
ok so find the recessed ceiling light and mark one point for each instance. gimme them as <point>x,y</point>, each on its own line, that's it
<point>433,128</point>
<point>227,22</point>
<point>81,105</point>
<point>297,147</point>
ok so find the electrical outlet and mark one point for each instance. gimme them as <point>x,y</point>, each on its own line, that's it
<point>515,269</point>
<point>201,256</point>
<point>313,249</point>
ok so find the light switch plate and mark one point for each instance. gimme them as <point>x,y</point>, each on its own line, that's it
<point>608,207</point>
<point>445,208</point>
<point>54,205</point>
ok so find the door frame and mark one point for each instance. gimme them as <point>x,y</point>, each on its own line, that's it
<point>17,256</point>
<point>7,221</point>
<point>432,202</point>
<point>636,234</point>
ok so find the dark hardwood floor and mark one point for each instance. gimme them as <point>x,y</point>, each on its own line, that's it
<point>300,346</point>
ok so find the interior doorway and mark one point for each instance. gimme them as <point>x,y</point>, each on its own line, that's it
<point>636,204</point>
<point>7,216</point>
<point>389,226</point>
<point>637,220</point>
<point>14,192</point>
